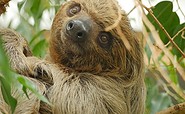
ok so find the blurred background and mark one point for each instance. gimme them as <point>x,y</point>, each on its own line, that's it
<point>161,30</point>
<point>13,15</point>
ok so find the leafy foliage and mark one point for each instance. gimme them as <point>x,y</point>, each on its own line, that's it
<point>170,22</point>
<point>30,9</point>
<point>6,79</point>
<point>165,68</point>
<point>29,85</point>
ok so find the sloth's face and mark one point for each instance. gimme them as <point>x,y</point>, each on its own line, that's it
<point>79,39</point>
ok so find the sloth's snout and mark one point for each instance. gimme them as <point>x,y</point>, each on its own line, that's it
<point>78,29</point>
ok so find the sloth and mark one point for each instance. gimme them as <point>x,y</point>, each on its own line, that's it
<point>94,64</point>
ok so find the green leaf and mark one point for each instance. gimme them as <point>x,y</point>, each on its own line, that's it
<point>29,85</point>
<point>34,38</point>
<point>179,41</point>
<point>173,74</point>
<point>6,92</point>
<point>39,48</point>
<point>3,59</point>
<point>170,21</point>
<point>26,83</point>
<point>36,7</point>
<point>20,5</point>
<point>25,91</point>
<point>4,65</point>
<point>162,11</point>
<point>172,71</point>
<point>6,79</point>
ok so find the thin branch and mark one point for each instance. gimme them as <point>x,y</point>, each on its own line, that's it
<point>131,10</point>
<point>160,44</point>
<point>180,59</point>
<point>161,26</point>
<point>164,74</point>
<point>182,30</point>
<point>158,77</point>
<point>176,109</point>
<point>183,34</point>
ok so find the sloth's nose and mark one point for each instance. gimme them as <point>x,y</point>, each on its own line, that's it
<point>78,29</point>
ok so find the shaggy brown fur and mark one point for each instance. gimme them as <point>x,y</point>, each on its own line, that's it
<point>85,77</point>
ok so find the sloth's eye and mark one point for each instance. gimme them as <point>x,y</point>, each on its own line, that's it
<point>73,9</point>
<point>105,39</point>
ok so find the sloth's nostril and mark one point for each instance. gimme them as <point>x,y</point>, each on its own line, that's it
<point>70,25</point>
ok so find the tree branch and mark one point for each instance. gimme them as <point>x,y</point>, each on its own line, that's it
<point>182,30</point>
<point>161,26</point>
<point>176,109</point>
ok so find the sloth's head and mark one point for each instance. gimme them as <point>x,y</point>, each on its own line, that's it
<point>94,36</point>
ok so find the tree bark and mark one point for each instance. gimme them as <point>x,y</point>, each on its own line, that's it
<point>176,109</point>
